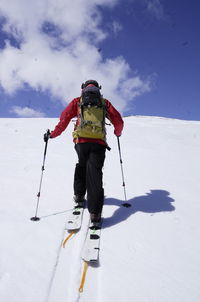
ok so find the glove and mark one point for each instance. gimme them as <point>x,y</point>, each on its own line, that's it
<point>117,133</point>
<point>47,136</point>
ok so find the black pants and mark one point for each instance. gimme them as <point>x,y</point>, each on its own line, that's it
<point>88,174</point>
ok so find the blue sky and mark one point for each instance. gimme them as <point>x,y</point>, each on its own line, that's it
<point>145,53</point>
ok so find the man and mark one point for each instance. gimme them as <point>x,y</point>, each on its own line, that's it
<point>90,144</point>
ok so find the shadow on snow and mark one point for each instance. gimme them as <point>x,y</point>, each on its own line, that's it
<point>154,202</point>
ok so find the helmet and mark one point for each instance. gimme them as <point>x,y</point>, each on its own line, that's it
<point>90,82</point>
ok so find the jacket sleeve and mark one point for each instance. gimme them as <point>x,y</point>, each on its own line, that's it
<point>114,116</point>
<point>65,117</point>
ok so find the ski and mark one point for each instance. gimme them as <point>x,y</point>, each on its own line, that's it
<point>74,220</point>
<point>91,247</point>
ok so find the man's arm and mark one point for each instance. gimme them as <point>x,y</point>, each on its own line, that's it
<point>115,117</point>
<point>65,117</point>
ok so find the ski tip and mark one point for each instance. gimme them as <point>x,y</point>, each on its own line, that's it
<point>35,218</point>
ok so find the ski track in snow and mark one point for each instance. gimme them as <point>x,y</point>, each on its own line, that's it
<point>53,274</point>
<point>68,263</point>
<point>4,281</point>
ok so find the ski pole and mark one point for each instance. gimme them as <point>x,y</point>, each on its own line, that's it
<point>35,218</point>
<point>126,204</point>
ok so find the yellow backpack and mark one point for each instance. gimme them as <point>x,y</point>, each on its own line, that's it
<point>91,116</point>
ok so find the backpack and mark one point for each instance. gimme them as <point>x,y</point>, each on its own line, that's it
<point>91,115</point>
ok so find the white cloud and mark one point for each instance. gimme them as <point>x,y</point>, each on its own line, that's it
<point>116,27</point>
<point>156,8</point>
<point>59,50</point>
<point>26,112</point>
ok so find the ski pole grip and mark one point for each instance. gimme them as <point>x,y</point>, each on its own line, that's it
<point>48,133</point>
<point>46,142</point>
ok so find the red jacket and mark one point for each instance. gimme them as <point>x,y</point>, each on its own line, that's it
<point>71,111</point>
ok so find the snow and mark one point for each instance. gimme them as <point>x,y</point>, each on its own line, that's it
<point>149,252</point>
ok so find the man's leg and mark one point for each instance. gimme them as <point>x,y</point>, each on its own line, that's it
<point>94,178</point>
<point>80,170</point>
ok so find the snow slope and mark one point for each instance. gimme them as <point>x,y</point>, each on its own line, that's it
<point>149,252</point>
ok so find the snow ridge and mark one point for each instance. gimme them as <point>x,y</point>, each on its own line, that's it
<point>149,252</point>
